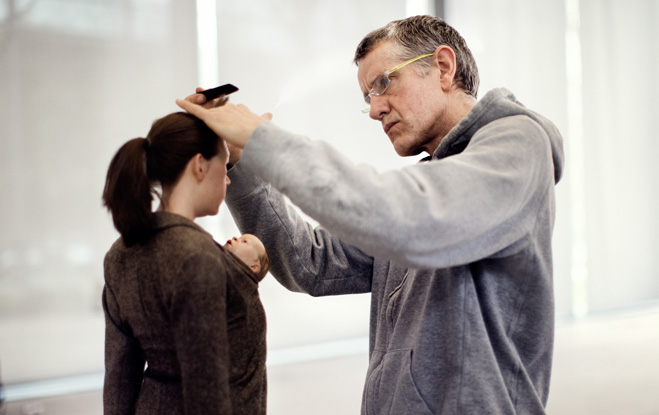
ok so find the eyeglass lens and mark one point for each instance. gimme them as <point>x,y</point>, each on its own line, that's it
<point>379,86</point>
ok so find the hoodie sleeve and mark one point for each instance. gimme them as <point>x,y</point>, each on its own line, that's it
<point>304,258</point>
<point>442,213</point>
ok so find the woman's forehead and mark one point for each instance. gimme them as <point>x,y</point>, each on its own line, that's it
<point>255,241</point>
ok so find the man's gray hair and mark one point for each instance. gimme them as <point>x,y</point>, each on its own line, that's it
<point>418,35</point>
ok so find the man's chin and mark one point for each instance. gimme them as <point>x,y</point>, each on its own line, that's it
<point>405,151</point>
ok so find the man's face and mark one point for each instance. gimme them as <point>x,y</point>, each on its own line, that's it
<point>411,108</point>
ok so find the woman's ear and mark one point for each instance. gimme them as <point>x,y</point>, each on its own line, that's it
<point>445,57</point>
<point>256,268</point>
<point>199,166</point>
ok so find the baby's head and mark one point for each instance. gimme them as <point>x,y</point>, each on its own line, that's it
<point>249,249</point>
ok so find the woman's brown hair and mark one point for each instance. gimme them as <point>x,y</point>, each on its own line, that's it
<point>142,163</point>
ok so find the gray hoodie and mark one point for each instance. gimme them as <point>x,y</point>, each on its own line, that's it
<point>455,251</point>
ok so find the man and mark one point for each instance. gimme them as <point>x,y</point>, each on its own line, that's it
<point>456,251</point>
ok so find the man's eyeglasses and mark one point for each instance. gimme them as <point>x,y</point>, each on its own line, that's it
<point>382,82</point>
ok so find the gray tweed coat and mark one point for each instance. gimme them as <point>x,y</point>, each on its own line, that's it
<point>191,311</point>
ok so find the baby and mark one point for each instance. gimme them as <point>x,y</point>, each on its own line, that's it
<point>250,250</point>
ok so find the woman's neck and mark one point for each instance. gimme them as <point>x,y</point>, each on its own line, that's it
<point>177,201</point>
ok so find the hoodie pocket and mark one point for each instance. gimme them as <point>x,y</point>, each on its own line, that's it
<point>390,388</point>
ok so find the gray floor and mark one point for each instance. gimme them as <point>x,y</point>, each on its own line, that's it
<point>607,365</point>
<point>604,365</point>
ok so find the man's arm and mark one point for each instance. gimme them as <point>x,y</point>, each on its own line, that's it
<point>443,213</point>
<point>303,258</point>
<point>437,214</point>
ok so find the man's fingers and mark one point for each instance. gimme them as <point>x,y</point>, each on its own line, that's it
<point>196,98</point>
<point>209,117</point>
<point>267,116</point>
<point>234,123</point>
<point>191,108</point>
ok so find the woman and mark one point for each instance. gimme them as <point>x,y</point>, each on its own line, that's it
<point>174,298</point>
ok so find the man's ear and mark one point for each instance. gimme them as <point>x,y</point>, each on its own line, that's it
<point>445,58</point>
<point>199,166</point>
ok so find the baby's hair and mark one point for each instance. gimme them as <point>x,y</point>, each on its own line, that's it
<point>265,264</point>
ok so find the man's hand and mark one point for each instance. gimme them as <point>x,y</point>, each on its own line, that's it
<point>234,123</point>
<point>234,154</point>
<point>200,99</point>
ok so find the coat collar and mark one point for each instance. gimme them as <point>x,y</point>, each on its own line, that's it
<point>164,220</point>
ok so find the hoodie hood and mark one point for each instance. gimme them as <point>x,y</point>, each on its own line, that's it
<point>497,104</point>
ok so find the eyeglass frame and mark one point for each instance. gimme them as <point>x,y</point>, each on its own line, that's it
<point>385,75</point>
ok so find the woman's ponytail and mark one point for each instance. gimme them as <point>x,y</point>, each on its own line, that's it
<point>160,160</point>
<point>128,193</point>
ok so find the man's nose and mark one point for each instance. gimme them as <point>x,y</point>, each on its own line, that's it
<point>379,107</point>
